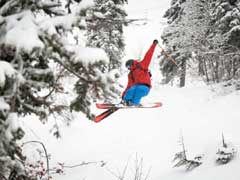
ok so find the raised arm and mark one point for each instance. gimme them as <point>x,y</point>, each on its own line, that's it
<point>148,56</point>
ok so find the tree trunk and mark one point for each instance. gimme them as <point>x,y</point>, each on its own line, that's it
<point>200,66</point>
<point>205,70</point>
<point>183,73</point>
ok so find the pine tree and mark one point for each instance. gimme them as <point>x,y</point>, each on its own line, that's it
<point>35,38</point>
<point>224,40</point>
<point>184,36</point>
<point>203,36</point>
<point>106,31</point>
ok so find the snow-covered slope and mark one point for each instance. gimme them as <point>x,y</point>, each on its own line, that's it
<point>198,112</point>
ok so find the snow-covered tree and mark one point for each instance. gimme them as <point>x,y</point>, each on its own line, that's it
<point>204,34</point>
<point>224,60</point>
<point>184,36</point>
<point>106,29</point>
<point>34,37</point>
<point>10,131</point>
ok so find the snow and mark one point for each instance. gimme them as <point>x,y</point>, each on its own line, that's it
<point>85,4</point>
<point>99,15</point>
<point>22,32</point>
<point>139,38</point>
<point>152,134</point>
<point>235,29</point>
<point>12,125</point>
<point>4,105</point>
<point>49,25</point>
<point>6,69</point>
<point>87,55</point>
<point>200,113</point>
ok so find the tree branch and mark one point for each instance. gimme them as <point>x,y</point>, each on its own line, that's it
<point>57,48</point>
<point>45,151</point>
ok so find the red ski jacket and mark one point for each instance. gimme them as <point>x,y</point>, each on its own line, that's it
<point>139,73</point>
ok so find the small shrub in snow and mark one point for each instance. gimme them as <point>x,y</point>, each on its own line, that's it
<point>189,164</point>
<point>182,160</point>
<point>40,169</point>
<point>137,172</point>
<point>225,153</point>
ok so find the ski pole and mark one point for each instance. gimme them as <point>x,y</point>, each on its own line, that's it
<point>169,57</point>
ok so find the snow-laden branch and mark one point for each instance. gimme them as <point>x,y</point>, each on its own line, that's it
<point>6,70</point>
<point>8,6</point>
<point>22,31</point>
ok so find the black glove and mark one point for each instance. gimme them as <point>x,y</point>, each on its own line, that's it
<point>155,41</point>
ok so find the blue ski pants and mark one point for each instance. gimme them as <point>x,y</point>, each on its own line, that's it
<point>135,93</point>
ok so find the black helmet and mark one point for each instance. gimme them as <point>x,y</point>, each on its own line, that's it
<point>129,63</point>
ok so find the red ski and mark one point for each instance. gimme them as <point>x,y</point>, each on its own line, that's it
<point>121,106</point>
<point>111,108</point>
<point>105,114</point>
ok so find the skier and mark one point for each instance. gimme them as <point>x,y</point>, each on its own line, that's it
<point>139,78</point>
